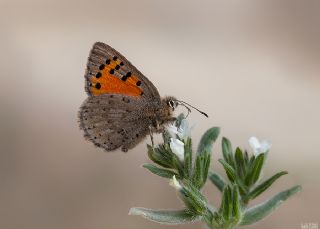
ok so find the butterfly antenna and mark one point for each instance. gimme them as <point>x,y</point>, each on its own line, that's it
<point>185,104</point>
<point>188,108</point>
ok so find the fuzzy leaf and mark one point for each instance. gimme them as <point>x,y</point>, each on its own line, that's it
<point>246,158</point>
<point>257,167</point>
<point>258,212</point>
<point>197,172</point>
<point>157,157</point>
<point>265,185</point>
<point>255,171</point>
<point>236,210</point>
<point>193,199</point>
<point>164,153</point>
<point>172,217</point>
<point>240,164</point>
<point>226,204</point>
<point>188,158</point>
<point>217,180</point>
<point>251,160</point>
<point>227,150</point>
<point>242,187</point>
<point>207,140</point>
<point>166,173</point>
<point>207,161</point>
<point>201,169</point>
<point>217,221</point>
<point>229,170</point>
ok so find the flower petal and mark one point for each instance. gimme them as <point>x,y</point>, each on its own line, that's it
<point>177,148</point>
<point>265,146</point>
<point>184,130</point>
<point>254,144</point>
<point>173,130</point>
<point>259,147</point>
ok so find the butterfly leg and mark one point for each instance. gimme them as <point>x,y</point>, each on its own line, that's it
<point>151,135</point>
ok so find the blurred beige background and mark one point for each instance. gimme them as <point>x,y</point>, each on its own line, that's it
<point>253,66</point>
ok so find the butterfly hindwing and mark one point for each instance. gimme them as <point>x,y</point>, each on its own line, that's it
<point>111,121</point>
<point>108,72</point>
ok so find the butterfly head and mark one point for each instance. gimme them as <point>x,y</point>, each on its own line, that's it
<point>170,103</point>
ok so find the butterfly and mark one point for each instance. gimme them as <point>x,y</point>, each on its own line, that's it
<point>123,106</point>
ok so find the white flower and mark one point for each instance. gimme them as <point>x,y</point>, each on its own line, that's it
<point>183,131</point>
<point>259,147</point>
<point>174,183</point>
<point>177,148</point>
<point>172,129</point>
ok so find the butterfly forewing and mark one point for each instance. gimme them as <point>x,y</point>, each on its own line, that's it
<point>108,72</point>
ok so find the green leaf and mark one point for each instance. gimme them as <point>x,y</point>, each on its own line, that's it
<point>188,158</point>
<point>207,161</point>
<point>166,173</point>
<point>207,140</point>
<point>257,167</point>
<point>258,212</point>
<point>240,164</point>
<point>201,170</point>
<point>157,157</point>
<point>246,158</point>
<point>255,171</point>
<point>229,170</point>
<point>193,198</point>
<point>227,150</point>
<point>251,160</point>
<point>208,217</point>
<point>197,172</point>
<point>217,220</point>
<point>217,180</point>
<point>165,153</point>
<point>265,185</point>
<point>242,187</point>
<point>226,204</point>
<point>236,210</point>
<point>172,217</point>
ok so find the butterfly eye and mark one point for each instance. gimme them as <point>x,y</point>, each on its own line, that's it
<point>171,104</point>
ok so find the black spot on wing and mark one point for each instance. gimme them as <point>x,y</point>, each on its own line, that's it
<point>98,75</point>
<point>98,85</point>
<point>125,77</point>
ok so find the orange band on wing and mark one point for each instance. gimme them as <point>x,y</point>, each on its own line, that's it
<point>109,84</point>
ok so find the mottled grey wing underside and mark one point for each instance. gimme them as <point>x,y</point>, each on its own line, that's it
<point>113,121</point>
